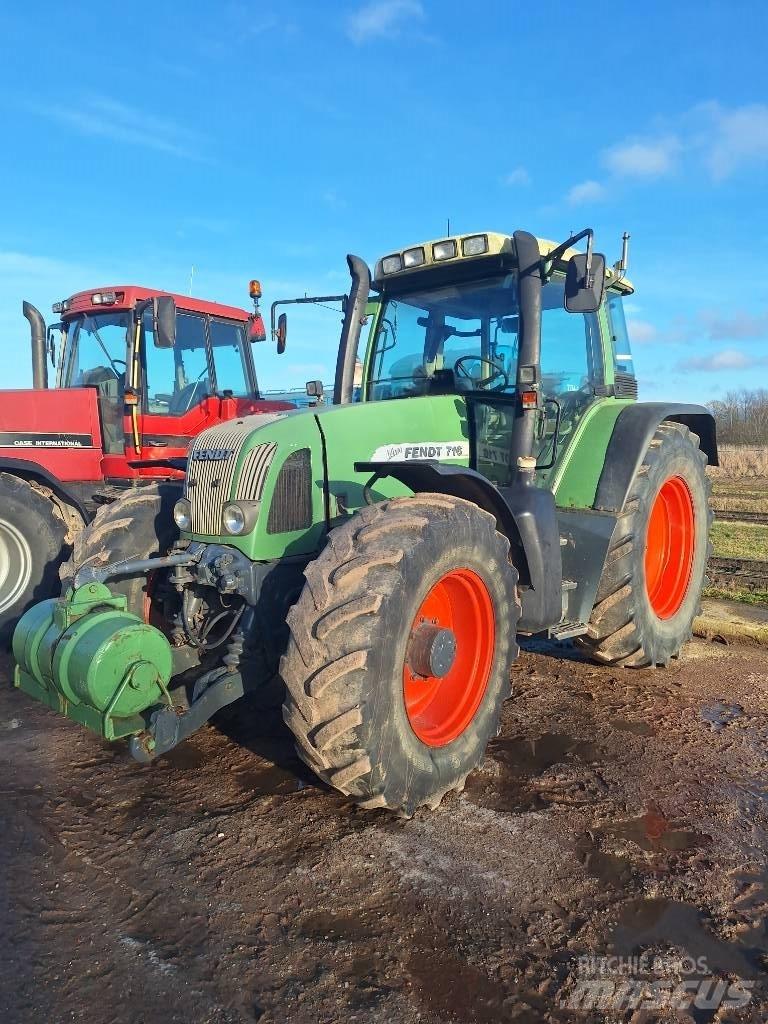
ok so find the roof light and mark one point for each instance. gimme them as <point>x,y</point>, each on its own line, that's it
<point>414,257</point>
<point>391,264</point>
<point>103,298</point>
<point>61,307</point>
<point>254,289</point>
<point>444,250</point>
<point>474,245</point>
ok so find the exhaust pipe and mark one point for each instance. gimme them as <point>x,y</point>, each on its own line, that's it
<point>350,331</point>
<point>39,353</point>
<point>529,346</point>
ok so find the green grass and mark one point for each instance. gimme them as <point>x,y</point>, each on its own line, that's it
<point>758,597</point>
<point>740,540</point>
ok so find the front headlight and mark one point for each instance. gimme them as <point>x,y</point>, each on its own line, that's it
<point>182,514</point>
<point>234,519</point>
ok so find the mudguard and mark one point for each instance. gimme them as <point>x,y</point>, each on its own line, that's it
<point>525,515</point>
<point>633,432</point>
<point>28,470</point>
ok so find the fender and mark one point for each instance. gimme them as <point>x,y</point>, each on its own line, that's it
<point>632,433</point>
<point>33,471</point>
<point>525,515</point>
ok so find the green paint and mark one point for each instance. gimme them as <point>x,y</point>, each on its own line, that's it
<point>576,475</point>
<point>87,657</point>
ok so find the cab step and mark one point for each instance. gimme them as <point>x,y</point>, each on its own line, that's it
<point>566,630</point>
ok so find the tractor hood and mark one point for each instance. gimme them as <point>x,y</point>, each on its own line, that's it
<point>56,429</point>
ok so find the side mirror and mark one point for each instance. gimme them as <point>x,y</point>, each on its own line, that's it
<point>52,343</point>
<point>315,389</point>
<point>281,334</point>
<point>164,321</point>
<point>582,295</point>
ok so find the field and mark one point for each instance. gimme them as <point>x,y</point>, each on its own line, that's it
<point>739,566</point>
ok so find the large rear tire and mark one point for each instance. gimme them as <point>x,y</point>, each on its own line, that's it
<point>139,524</point>
<point>33,546</point>
<point>650,588</point>
<point>400,650</point>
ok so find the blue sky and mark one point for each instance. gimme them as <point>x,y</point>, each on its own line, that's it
<point>270,139</point>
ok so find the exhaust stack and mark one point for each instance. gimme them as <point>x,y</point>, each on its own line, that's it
<point>39,354</point>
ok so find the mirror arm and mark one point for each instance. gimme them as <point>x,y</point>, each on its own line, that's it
<point>556,254</point>
<point>306,299</point>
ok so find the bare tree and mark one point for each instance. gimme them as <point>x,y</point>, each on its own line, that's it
<point>742,417</point>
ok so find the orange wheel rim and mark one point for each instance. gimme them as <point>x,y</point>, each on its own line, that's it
<point>440,707</point>
<point>669,546</point>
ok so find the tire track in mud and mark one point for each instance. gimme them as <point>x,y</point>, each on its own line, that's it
<point>224,884</point>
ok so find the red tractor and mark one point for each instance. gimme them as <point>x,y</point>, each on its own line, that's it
<point>139,373</point>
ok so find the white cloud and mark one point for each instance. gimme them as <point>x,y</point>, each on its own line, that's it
<point>726,359</point>
<point>738,325</point>
<point>586,192</point>
<point>654,158</point>
<point>641,332</point>
<point>382,19</point>
<point>103,117</point>
<point>733,138</point>
<point>517,176</point>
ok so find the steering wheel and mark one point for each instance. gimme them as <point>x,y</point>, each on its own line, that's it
<point>486,383</point>
<point>184,400</point>
<point>113,366</point>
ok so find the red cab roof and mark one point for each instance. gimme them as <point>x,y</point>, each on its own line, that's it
<point>129,294</point>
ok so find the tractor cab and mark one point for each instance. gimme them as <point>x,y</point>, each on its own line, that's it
<point>450,321</point>
<point>163,367</point>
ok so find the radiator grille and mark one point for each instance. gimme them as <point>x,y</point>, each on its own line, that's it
<point>250,484</point>
<point>291,507</point>
<point>213,458</point>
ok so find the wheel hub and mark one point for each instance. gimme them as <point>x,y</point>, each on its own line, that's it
<point>669,547</point>
<point>449,657</point>
<point>15,565</point>
<point>432,650</point>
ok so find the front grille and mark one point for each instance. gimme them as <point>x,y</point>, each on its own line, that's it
<point>291,507</point>
<point>213,458</point>
<point>625,385</point>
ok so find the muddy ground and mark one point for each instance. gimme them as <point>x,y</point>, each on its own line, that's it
<point>618,812</point>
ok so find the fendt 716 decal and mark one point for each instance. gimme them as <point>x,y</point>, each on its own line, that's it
<point>409,451</point>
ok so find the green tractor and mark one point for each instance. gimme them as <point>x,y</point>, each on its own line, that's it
<point>491,474</point>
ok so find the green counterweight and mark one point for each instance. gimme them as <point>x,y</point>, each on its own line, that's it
<point>87,657</point>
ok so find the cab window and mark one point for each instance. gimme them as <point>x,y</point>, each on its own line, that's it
<point>178,378</point>
<point>229,357</point>
<point>622,352</point>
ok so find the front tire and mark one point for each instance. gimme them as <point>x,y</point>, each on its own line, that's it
<point>139,524</point>
<point>650,588</point>
<point>400,650</point>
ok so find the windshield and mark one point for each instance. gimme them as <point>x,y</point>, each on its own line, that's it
<point>95,350</point>
<point>460,337</point>
<point>464,337</point>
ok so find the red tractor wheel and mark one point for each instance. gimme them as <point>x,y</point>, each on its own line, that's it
<point>400,650</point>
<point>650,588</point>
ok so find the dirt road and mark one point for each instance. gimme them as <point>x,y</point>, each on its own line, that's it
<point>617,813</point>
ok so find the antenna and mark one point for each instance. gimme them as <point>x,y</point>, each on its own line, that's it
<point>191,278</point>
<point>449,227</point>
